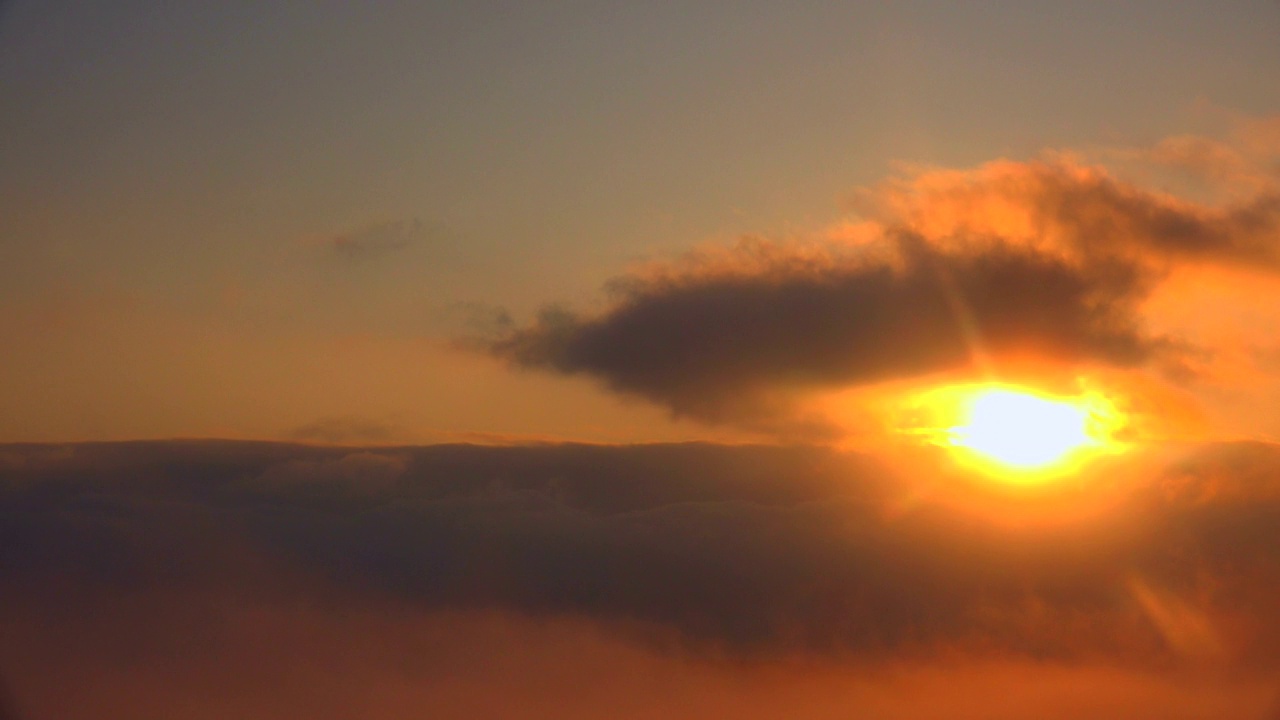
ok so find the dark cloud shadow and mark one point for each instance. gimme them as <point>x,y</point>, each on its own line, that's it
<point>713,344</point>
<point>752,550</point>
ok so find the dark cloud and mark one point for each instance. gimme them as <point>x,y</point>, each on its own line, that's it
<point>373,241</point>
<point>753,551</point>
<point>984,267</point>
<point>8,709</point>
<point>711,343</point>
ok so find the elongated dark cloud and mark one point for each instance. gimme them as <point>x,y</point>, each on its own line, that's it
<point>376,240</point>
<point>706,343</point>
<point>1049,258</point>
<point>754,551</point>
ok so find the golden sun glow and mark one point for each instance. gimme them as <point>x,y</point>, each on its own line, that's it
<point>1017,433</point>
<point>1021,430</point>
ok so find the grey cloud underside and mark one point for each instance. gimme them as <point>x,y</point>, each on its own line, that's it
<point>700,344</point>
<point>747,549</point>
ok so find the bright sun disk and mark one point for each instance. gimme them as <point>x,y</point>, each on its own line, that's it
<point>1021,430</point>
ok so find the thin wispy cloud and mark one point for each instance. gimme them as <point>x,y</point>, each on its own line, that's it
<point>370,242</point>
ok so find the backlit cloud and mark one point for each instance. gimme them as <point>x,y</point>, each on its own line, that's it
<point>709,343</point>
<point>1051,261</point>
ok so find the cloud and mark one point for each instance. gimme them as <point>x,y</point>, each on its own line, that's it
<point>376,240</point>
<point>707,342</point>
<point>756,552</point>
<point>214,656</point>
<point>1050,260</point>
<point>353,473</point>
<point>1060,206</point>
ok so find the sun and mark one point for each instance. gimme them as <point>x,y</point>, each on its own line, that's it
<point>1016,433</point>
<point>1023,431</point>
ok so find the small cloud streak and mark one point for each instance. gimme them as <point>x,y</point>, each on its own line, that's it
<point>375,241</point>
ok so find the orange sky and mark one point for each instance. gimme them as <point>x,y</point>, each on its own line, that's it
<point>493,359</point>
<point>250,222</point>
<point>103,361</point>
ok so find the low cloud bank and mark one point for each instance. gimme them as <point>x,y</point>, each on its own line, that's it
<point>384,581</point>
<point>746,550</point>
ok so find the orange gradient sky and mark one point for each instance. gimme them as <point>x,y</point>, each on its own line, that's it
<point>269,223</point>
<point>584,359</point>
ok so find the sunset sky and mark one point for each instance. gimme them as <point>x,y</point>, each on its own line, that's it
<point>582,359</point>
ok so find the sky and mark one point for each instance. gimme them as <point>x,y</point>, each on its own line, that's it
<point>576,359</point>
